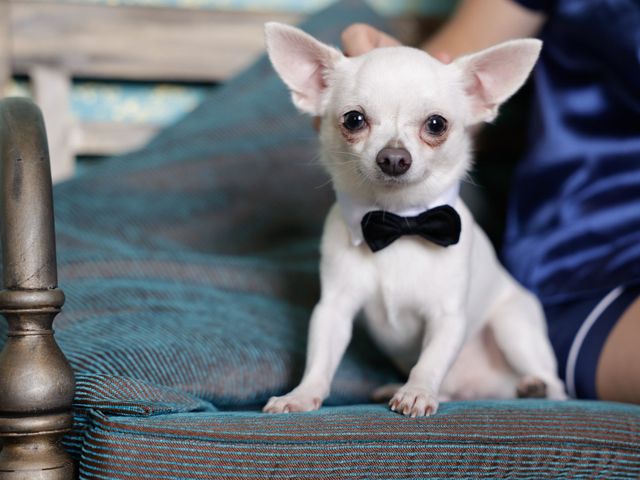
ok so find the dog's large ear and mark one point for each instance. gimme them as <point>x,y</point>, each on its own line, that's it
<point>491,76</point>
<point>303,63</point>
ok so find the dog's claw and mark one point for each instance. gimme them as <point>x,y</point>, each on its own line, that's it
<point>414,402</point>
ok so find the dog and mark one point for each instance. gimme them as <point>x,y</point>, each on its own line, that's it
<point>399,243</point>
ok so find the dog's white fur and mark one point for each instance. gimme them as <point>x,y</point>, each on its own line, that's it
<point>452,318</point>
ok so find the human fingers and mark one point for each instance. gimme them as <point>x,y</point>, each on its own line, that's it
<point>359,38</point>
<point>444,57</point>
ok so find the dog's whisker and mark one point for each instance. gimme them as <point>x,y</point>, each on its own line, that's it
<point>348,154</point>
<point>324,184</point>
<point>345,162</point>
<point>467,178</point>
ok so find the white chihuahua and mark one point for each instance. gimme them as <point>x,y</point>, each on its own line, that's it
<point>399,243</point>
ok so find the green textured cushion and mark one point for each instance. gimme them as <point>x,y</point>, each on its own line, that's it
<point>512,439</point>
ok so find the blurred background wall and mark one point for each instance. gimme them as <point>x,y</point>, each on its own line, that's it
<point>109,74</point>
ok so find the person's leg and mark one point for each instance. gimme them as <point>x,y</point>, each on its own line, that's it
<point>597,344</point>
<point>618,371</point>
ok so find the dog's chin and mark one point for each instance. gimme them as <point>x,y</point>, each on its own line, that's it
<point>375,181</point>
<point>378,180</point>
<point>390,182</point>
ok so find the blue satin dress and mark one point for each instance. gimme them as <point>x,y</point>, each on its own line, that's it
<point>573,227</point>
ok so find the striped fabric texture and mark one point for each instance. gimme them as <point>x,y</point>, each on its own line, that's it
<point>190,269</point>
<point>110,395</point>
<point>517,439</point>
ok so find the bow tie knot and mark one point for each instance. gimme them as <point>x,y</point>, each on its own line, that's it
<point>409,226</point>
<point>440,225</point>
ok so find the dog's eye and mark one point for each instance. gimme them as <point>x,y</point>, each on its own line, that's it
<point>436,125</point>
<point>353,120</point>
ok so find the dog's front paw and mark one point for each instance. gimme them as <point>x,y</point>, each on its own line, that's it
<point>293,402</point>
<point>414,402</point>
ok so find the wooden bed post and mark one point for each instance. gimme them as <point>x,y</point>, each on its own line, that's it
<point>5,47</point>
<point>36,381</point>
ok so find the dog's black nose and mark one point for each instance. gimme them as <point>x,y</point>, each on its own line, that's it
<point>393,161</point>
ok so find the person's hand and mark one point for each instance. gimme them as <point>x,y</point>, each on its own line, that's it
<point>359,38</point>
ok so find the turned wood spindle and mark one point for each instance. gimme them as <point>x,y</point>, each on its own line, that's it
<point>36,381</point>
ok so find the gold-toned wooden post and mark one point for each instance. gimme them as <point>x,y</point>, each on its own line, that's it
<point>36,381</point>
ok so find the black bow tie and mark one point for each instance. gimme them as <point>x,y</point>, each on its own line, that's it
<point>440,225</point>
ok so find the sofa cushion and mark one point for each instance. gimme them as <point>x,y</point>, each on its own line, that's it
<point>233,349</point>
<point>508,439</point>
<point>113,395</point>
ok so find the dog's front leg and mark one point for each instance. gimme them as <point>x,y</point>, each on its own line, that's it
<point>329,334</point>
<point>419,396</point>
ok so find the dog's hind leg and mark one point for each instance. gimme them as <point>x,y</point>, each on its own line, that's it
<point>518,326</point>
<point>385,392</point>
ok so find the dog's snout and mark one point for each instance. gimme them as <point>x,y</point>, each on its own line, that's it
<point>394,161</point>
